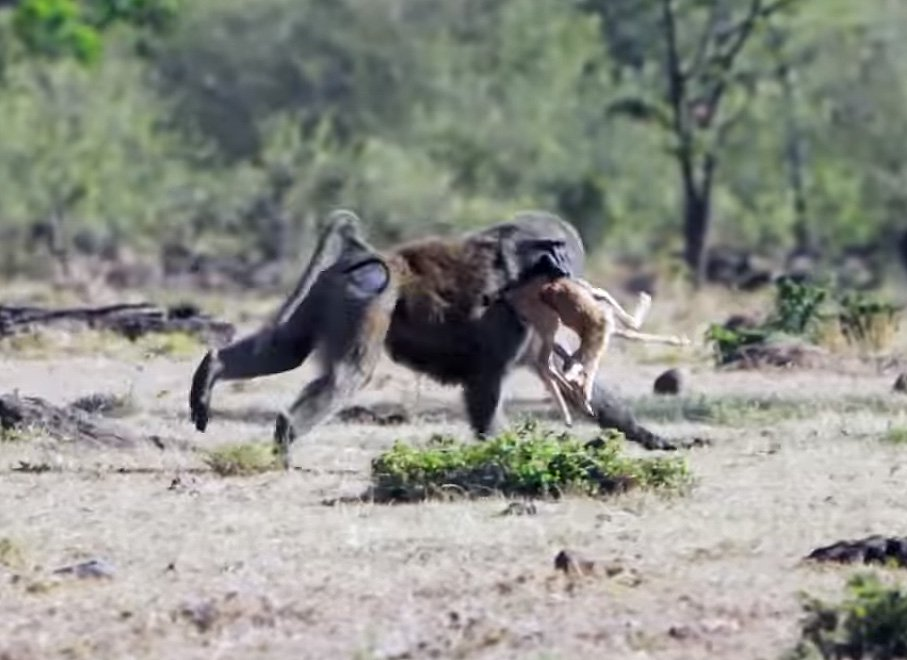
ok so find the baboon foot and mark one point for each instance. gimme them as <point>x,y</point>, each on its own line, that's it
<point>200,393</point>
<point>284,436</point>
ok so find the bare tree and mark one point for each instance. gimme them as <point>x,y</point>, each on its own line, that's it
<point>699,70</point>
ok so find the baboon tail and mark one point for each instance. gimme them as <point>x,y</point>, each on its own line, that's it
<point>343,223</point>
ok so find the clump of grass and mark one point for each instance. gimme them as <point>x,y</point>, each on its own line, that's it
<point>33,345</point>
<point>15,434</point>
<point>896,435</point>
<point>242,459</point>
<point>871,622</point>
<point>525,461</point>
<point>11,554</point>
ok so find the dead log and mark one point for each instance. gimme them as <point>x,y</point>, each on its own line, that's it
<point>870,550</point>
<point>28,414</point>
<point>129,320</point>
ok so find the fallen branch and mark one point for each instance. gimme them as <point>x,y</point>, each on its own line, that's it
<point>129,320</point>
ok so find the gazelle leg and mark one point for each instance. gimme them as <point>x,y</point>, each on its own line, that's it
<point>652,339</point>
<point>635,320</point>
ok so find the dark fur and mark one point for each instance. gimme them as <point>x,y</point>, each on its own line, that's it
<point>440,314</point>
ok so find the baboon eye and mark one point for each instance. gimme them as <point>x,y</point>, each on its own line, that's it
<point>368,278</point>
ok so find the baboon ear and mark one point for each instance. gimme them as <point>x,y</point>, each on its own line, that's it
<point>368,278</point>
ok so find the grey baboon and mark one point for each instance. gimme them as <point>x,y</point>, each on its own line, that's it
<point>435,305</point>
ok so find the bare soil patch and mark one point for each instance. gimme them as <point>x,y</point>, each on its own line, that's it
<point>257,566</point>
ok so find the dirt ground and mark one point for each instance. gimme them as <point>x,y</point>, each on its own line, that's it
<point>261,567</point>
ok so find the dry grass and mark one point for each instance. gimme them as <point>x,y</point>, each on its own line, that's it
<point>242,459</point>
<point>260,567</point>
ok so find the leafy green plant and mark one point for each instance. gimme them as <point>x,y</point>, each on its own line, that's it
<point>800,310</point>
<point>727,343</point>
<point>798,306</point>
<point>871,622</point>
<point>525,461</point>
<point>242,459</point>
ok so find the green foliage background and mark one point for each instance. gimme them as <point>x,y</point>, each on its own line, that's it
<point>208,121</point>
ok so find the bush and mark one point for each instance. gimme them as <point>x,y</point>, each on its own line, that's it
<point>525,461</point>
<point>803,310</point>
<point>871,622</point>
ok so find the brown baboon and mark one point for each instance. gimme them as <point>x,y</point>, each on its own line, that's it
<point>435,305</point>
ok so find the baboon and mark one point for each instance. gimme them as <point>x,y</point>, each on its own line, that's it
<point>434,305</point>
<point>545,304</point>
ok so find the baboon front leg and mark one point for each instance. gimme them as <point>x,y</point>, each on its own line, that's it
<point>482,396</point>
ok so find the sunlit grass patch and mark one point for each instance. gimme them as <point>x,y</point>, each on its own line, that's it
<point>242,459</point>
<point>16,434</point>
<point>525,461</point>
<point>169,344</point>
<point>12,555</point>
<point>752,410</point>
<point>895,435</point>
<point>48,343</point>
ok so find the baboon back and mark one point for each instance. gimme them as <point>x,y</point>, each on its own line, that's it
<point>476,334</point>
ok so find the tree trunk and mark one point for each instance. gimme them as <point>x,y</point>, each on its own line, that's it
<point>796,162</point>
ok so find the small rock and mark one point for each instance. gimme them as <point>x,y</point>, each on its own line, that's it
<point>900,383</point>
<point>520,509</point>
<point>202,615</point>
<point>572,563</point>
<point>93,568</point>
<point>671,381</point>
<point>681,632</point>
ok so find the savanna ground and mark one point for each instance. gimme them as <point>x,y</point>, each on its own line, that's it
<point>260,566</point>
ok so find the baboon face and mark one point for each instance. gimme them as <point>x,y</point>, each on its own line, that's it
<point>546,257</point>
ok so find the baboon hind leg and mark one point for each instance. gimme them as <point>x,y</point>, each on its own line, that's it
<point>250,357</point>
<point>318,401</point>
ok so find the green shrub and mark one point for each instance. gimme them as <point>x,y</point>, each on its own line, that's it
<point>525,461</point>
<point>797,306</point>
<point>242,459</point>
<point>800,310</point>
<point>871,622</point>
<point>727,343</point>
